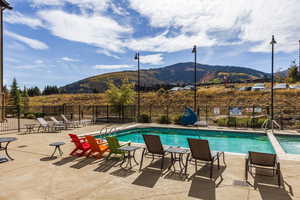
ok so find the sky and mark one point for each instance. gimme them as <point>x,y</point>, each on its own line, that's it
<point>57,42</point>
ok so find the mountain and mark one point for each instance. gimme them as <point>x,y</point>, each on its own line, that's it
<point>180,73</point>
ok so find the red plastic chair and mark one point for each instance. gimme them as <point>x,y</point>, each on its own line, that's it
<point>80,144</point>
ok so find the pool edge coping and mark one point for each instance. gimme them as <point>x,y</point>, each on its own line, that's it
<point>282,155</point>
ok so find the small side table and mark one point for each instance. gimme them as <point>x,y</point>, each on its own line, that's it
<point>128,150</point>
<point>57,147</point>
<point>177,154</point>
<point>6,140</point>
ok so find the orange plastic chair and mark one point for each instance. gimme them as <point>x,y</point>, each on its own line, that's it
<point>98,148</point>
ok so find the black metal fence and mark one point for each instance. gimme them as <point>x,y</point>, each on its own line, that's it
<point>15,118</point>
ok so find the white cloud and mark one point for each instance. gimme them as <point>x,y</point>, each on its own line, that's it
<point>96,5</point>
<point>28,67</point>
<point>38,62</point>
<point>18,18</point>
<point>35,44</point>
<point>112,66</point>
<point>208,23</point>
<point>162,43</point>
<point>107,53</point>
<point>154,59</point>
<point>95,30</point>
<point>68,59</point>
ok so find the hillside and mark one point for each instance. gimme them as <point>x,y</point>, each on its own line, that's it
<point>180,73</point>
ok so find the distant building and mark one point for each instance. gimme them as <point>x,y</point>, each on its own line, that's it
<point>175,89</point>
<point>295,86</point>
<point>258,87</point>
<point>281,86</point>
<point>246,88</point>
<point>188,87</point>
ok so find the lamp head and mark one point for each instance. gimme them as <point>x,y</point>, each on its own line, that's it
<point>136,57</point>
<point>194,49</point>
<point>273,40</point>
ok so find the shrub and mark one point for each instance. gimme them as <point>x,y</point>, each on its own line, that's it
<point>240,122</point>
<point>144,118</point>
<point>30,116</point>
<point>39,114</point>
<point>231,121</point>
<point>222,121</point>
<point>164,120</point>
<point>177,119</point>
<point>243,122</point>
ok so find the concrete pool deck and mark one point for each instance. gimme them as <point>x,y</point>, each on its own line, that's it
<point>33,176</point>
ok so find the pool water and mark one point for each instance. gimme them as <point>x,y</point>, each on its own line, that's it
<point>289,143</point>
<point>218,140</point>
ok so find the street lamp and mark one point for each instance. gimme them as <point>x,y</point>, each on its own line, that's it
<point>195,77</point>
<point>299,60</point>
<point>3,5</point>
<point>137,57</point>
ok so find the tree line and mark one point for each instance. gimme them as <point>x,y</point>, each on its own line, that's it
<point>18,96</point>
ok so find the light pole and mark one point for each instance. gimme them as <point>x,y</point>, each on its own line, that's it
<point>273,42</point>
<point>137,57</point>
<point>3,5</point>
<point>195,77</point>
<point>299,60</point>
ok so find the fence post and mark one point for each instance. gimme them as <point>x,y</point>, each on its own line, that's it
<point>253,107</point>
<point>107,113</point>
<point>19,116</point>
<point>168,111</point>
<point>93,114</point>
<point>228,115</point>
<point>150,112</point>
<point>79,112</point>
<point>206,114</point>
<point>64,109</point>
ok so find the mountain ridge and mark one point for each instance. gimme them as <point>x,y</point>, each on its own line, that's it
<point>179,73</point>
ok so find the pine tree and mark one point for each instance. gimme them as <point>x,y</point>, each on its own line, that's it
<point>15,93</point>
<point>293,73</point>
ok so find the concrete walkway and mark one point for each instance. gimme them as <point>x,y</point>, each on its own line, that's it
<point>33,176</point>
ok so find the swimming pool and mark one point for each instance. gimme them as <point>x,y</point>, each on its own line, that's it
<point>218,140</point>
<point>289,143</point>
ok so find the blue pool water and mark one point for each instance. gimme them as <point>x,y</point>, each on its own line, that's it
<point>289,143</point>
<point>218,140</point>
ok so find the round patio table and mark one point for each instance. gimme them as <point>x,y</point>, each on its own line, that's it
<point>6,141</point>
<point>128,150</point>
<point>57,147</point>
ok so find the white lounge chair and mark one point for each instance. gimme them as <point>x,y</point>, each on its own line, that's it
<point>46,127</point>
<point>75,124</point>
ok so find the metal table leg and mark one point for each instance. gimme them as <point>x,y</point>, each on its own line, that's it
<point>5,148</point>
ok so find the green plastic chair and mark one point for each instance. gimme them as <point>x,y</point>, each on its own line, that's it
<point>114,145</point>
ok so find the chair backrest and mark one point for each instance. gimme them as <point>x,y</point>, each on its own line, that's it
<point>54,120</point>
<point>263,159</point>
<point>153,144</point>
<point>76,140</point>
<point>113,143</point>
<point>64,117</point>
<point>200,149</point>
<point>93,142</point>
<point>42,122</point>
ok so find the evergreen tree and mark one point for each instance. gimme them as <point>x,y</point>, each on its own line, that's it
<point>34,91</point>
<point>293,75</point>
<point>15,93</point>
